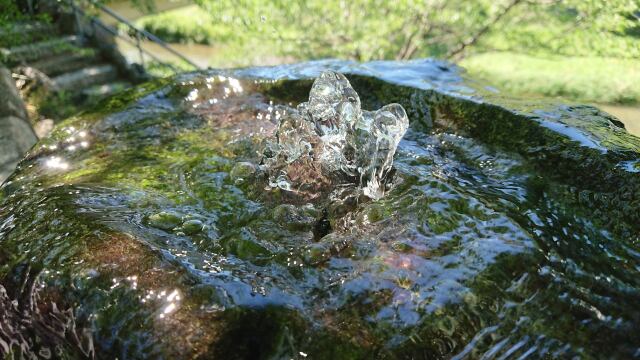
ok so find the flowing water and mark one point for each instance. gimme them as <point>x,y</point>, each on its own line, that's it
<point>143,229</point>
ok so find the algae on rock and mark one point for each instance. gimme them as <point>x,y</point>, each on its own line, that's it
<point>493,240</point>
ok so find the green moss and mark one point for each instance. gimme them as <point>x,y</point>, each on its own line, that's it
<point>417,253</point>
<point>244,245</point>
<point>165,220</point>
<point>192,226</point>
<point>293,217</point>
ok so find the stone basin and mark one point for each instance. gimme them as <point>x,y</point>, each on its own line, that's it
<point>136,230</point>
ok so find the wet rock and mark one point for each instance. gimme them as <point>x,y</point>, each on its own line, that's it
<point>294,217</point>
<point>192,226</point>
<point>371,214</point>
<point>56,330</point>
<point>403,247</point>
<point>317,253</point>
<point>165,220</point>
<point>496,221</point>
<point>16,134</point>
<point>245,245</point>
<point>243,171</point>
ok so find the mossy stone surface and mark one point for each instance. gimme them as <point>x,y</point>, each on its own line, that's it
<point>502,234</point>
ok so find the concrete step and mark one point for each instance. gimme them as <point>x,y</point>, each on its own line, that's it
<point>61,64</point>
<point>40,50</point>
<point>86,77</point>
<point>105,90</point>
<point>26,33</point>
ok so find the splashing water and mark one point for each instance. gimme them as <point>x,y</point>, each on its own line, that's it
<point>330,141</point>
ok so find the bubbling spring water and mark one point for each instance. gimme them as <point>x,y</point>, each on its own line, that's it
<point>330,142</point>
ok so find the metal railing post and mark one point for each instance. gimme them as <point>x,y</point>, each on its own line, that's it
<point>145,33</point>
<point>139,49</point>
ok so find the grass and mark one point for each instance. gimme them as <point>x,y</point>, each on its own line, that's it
<point>586,79</point>
<point>189,24</point>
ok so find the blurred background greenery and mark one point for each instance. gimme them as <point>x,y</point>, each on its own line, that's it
<point>579,50</point>
<point>583,50</point>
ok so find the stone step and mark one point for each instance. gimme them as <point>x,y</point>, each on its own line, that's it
<point>105,90</point>
<point>86,77</point>
<point>40,50</point>
<point>63,63</point>
<point>25,33</point>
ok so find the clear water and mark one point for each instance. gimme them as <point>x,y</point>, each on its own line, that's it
<point>150,223</point>
<point>330,145</point>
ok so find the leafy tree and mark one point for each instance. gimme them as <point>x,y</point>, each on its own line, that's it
<point>376,29</point>
<point>571,28</point>
<point>360,29</point>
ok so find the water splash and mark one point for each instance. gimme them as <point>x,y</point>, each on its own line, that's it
<point>331,142</point>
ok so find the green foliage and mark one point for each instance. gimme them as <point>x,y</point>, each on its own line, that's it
<point>11,17</point>
<point>375,29</point>
<point>189,24</point>
<point>61,104</point>
<point>9,12</point>
<point>58,105</point>
<point>571,28</point>
<point>361,29</point>
<point>167,68</point>
<point>522,40</point>
<point>144,5</point>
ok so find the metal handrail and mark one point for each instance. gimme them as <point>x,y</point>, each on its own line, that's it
<point>138,34</point>
<point>146,34</point>
<point>115,32</point>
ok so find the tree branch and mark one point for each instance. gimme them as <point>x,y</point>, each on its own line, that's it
<point>456,54</point>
